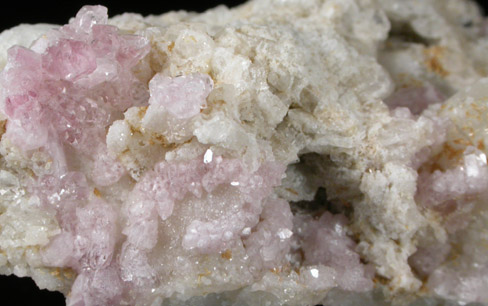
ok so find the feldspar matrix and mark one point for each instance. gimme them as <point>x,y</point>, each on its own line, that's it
<point>278,153</point>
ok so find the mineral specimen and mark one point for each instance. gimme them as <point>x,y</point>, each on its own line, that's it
<point>288,152</point>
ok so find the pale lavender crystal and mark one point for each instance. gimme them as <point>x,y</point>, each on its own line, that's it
<point>469,284</point>
<point>270,242</point>
<point>428,258</point>
<point>106,169</point>
<point>86,18</point>
<point>60,252</point>
<point>134,266</point>
<point>88,239</point>
<point>415,98</point>
<point>183,96</point>
<point>217,235</point>
<point>325,241</point>
<point>102,286</point>
<point>446,190</point>
<point>63,191</point>
<point>96,232</point>
<point>160,190</point>
<point>87,246</point>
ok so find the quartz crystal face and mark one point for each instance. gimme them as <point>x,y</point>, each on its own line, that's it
<point>277,153</point>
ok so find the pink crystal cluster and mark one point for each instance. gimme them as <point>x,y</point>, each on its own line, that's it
<point>269,251</point>
<point>453,193</point>
<point>450,190</point>
<point>452,184</point>
<point>183,97</point>
<point>325,241</point>
<point>69,87</point>
<point>156,194</point>
<point>59,97</point>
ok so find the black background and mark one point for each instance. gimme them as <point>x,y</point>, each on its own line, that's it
<point>59,12</point>
<point>23,291</point>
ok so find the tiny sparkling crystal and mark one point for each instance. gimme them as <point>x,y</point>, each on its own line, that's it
<point>207,158</point>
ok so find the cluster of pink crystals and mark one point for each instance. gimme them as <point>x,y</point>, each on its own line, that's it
<point>325,241</point>
<point>467,283</point>
<point>156,194</point>
<point>269,244</point>
<point>446,191</point>
<point>60,96</point>
<point>70,86</point>
<point>453,193</point>
<point>181,96</point>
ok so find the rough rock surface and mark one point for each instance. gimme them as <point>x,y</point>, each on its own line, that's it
<point>279,153</point>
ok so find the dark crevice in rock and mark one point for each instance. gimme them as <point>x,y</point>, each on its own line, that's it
<point>319,205</point>
<point>405,33</point>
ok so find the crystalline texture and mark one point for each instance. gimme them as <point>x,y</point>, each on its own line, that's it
<point>182,97</point>
<point>276,153</point>
<point>53,107</point>
<point>459,184</point>
<point>325,242</point>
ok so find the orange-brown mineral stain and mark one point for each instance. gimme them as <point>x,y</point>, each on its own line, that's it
<point>293,191</point>
<point>481,145</point>
<point>141,112</point>
<point>61,273</point>
<point>433,60</point>
<point>3,127</point>
<point>227,254</point>
<point>201,275</point>
<point>171,46</point>
<point>97,193</point>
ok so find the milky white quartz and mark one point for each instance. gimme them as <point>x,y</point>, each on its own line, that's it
<point>289,152</point>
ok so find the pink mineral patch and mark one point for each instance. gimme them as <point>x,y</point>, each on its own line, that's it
<point>446,191</point>
<point>428,258</point>
<point>156,194</point>
<point>60,97</point>
<point>270,241</point>
<point>216,235</point>
<point>182,96</point>
<point>325,241</point>
<point>415,98</point>
<point>468,285</point>
<point>70,92</point>
<point>97,287</point>
<point>69,60</point>
<point>88,238</point>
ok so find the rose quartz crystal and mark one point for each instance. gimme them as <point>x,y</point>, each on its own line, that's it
<point>277,153</point>
<point>61,99</point>
<point>325,241</point>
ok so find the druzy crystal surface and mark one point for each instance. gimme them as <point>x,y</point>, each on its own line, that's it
<point>277,153</point>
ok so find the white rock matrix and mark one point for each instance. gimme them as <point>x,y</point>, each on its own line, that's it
<point>283,152</point>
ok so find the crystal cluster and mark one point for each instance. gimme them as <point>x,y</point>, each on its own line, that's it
<point>277,153</point>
